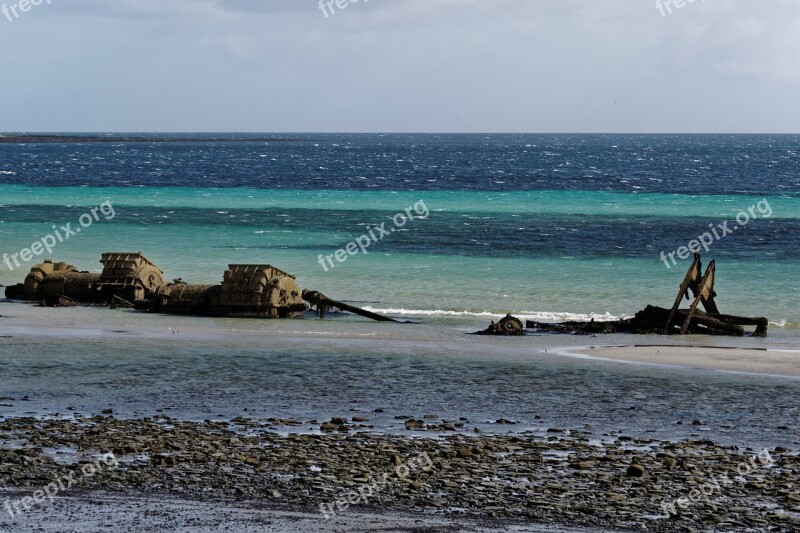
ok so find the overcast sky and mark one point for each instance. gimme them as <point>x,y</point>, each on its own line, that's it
<point>401,65</point>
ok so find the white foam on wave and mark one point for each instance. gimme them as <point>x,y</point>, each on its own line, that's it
<point>538,316</point>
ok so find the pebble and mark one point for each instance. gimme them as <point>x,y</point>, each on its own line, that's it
<point>556,478</point>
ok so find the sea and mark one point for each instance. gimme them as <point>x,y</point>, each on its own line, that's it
<point>446,232</point>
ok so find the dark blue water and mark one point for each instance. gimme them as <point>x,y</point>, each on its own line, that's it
<point>497,235</point>
<point>687,164</point>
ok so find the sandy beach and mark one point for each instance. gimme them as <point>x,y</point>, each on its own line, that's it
<point>776,362</point>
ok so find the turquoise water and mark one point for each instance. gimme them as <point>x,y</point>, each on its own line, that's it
<point>456,262</point>
<point>543,202</point>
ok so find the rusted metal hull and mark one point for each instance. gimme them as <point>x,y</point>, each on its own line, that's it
<point>246,291</point>
<point>129,276</point>
<point>322,304</point>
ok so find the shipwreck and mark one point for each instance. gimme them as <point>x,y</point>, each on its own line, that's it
<point>657,320</point>
<point>264,291</point>
<point>131,280</point>
<point>127,276</point>
<point>245,291</point>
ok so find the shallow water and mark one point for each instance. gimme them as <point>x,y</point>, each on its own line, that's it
<point>312,370</point>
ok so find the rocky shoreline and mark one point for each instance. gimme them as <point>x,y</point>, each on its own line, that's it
<point>565,477</point>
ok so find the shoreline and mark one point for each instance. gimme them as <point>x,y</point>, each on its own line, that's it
<point>776,361</point>
<point>563,477</point>
<point>27,319</point>
<point>311,370</point>
<point>767,362</point>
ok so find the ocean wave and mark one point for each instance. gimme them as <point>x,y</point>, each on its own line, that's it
<point>537,316</point>
<point>784,324</point>
<point>7,173</point>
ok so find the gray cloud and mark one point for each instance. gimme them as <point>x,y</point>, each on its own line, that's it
<point>401,65</point>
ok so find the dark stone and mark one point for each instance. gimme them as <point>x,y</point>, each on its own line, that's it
<point>509,326</point>
<point>635,471</point>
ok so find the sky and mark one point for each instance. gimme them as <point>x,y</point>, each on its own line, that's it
<point>708,66</point>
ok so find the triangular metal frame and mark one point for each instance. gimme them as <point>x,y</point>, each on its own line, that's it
<point>702,289</point>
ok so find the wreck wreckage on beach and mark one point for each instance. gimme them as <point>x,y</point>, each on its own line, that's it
<point>132,280</point>
<point>125,276</point>
<point>653,319</point>
<point>264,291</point>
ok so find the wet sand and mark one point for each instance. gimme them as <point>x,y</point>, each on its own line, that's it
<point>763,361</point>
<point>99,511</point>
<point>85,360</point>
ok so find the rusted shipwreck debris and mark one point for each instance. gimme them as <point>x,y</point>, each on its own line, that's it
<point>508,326</point>
<point>246,290</point>
<point>132,280</point>
<point>127,276</point>
<point>323,304</point>
<point>658,320</point>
